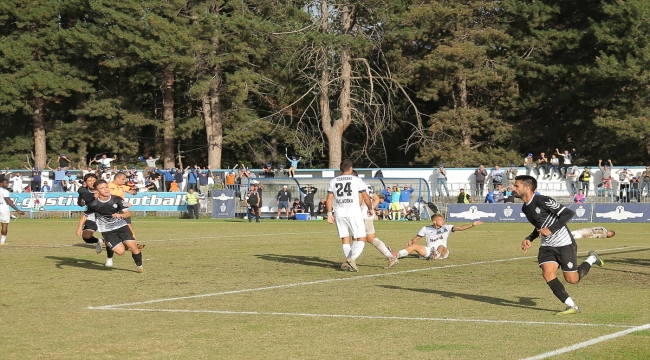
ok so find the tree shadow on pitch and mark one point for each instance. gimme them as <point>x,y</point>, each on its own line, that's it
<point>523,303</point>
<point>82,263</point>
<point>303,260</point>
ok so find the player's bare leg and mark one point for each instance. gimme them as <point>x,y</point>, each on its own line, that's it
<point>4,231</point>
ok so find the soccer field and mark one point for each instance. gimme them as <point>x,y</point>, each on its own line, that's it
<point>236,290</point>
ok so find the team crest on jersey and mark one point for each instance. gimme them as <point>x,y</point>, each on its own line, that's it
<point>537,210</point>
<point>580,211</point>
<point>570,265</point>
<point>507,211</point>
<point>115,206</point>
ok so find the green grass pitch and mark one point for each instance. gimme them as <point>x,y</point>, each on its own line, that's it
<point>234,290</point>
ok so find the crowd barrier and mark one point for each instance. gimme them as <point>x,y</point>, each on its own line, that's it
<point>60,201</point>
<point>584,212</point>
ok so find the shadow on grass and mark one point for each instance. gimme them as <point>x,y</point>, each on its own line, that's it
<point>307,260</point>
<point>524,302</point>
<point>82,263</point>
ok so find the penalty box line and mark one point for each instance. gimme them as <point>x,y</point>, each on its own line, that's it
<point>284,286</point>
<point>589,342</point>
<point>363,317</point>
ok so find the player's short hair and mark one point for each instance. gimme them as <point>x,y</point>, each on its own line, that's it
<point>437,216</point>
<point>90,175</point>
<point>99,182</point>
<point>611,231</point>
<point>3,178</point>
<point>528,181</point>
<point>120,174</point>
<point>346,165</point>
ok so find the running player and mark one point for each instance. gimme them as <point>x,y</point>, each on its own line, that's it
<point>369,225</point>
<point>118,187</point>
<point>558,248</point>
<point>87,225</point>
<point>344,209</point>
<point>593,233</point>
<point>436,236</point>
<point>110,214</point>
<point>5,202</point>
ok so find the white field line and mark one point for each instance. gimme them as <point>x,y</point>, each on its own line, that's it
<point>368,317</point>
<point>589,342</point>
<point>284,286</point>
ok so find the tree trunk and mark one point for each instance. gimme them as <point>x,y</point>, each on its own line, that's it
<point>82,146</point>
<point>466,131</point>
<point>212,117</point>
<point>168,118</point>
<point>334,129</point>
<point>274,150</point>
<point>40,146</point>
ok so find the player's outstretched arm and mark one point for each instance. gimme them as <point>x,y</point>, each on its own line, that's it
<point>413,241</point>
<point>468,226</point>
<point>9,202</point>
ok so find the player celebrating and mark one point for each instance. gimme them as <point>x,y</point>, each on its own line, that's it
<point>558,247</point>
<point>343,195</point>
<point>110,212</point>
<point>87,225</point>
<point>593,233</point>
<point>436,236</point>
<point>5,202</point>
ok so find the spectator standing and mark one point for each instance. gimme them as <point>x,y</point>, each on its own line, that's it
<point>572,175</point>
<point>35,184</point>
<point>566,163</point>
<point>294,165</point>
<point>169,177</point>
<point>17,183</point>
<point>192,203</point>
<point>529,164</point>
<point>204,181</point>
<point>442,180</point>
<point>394,202</point>
<point>193,177</point>
<point>268,171</point>
<point>282,200</point>
<point>59,175</point>
<point>554,167</point>
<point>624,184</point>
<point>230,179</point>
<point>584,179</point>
<point>254,201</point>
<point>543,163</point>
<point>63,161</point>
<point>634,189</point>
<point>178,176</point>
<point>104,161</point>
<point>463,197</point>
<point>497,176</point>
<point>404,198</point>
<point>645,181</point>
<point>150,161</point>
<point>308,199</point>
<point>217,183</point>
<point>70,181</point>
<point>479,177</point>
<point>580,197</point>
<point>607,173</point>
<point>511,173</point>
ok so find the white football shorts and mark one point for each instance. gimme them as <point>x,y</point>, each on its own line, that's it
<point>347,225</point>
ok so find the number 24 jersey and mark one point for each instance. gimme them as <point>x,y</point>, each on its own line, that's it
<point>346,190</point>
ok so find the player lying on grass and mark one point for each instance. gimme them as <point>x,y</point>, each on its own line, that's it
<point>593,233</point>
<point>436,236</point>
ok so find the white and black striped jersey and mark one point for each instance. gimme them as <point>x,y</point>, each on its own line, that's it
<point>104,211</point>
<point>544,212</point>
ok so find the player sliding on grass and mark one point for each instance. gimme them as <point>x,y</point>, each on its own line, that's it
<point>110,212</point>
<point>558,247</point>
<point>5,202</point>
<point>436,236</point>
<point>593,233</point>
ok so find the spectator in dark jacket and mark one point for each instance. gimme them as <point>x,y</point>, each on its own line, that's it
<point>308,199</point>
